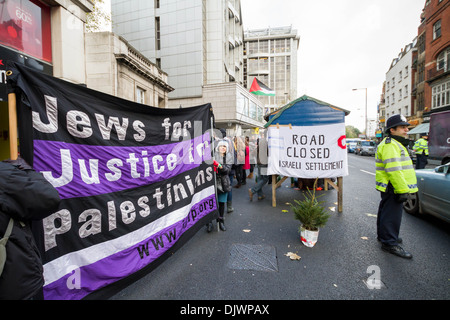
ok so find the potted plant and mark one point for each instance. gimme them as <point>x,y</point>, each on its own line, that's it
<point>312,216</point>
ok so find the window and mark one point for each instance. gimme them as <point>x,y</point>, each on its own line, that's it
<point>437,30</point>
<point>25,26</point>
<point>140,95</point>
<point>441,95</point>
<point>158,33</point>
<point>443,60</point>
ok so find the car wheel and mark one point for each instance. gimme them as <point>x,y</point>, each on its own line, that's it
<point>411,205</point>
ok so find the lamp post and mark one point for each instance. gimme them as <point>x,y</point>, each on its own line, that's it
<point>365,121</point>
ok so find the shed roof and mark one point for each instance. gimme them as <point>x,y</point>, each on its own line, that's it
<point>307,111</point>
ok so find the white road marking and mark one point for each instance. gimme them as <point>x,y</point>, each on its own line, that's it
<point>367,172</point>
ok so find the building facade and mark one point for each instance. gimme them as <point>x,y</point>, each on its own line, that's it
<point>271,56</point>
<point>430,69</point>
<point>199,44</point>
<point>114,67</point>
<point>436,21</point>
<point>398,98</point>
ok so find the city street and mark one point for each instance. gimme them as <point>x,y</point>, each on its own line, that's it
<point>337,268</point>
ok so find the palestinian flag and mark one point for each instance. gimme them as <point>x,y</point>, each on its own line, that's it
<point>260,89</point>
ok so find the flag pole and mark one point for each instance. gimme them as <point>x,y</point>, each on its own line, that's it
<point>13,150</point>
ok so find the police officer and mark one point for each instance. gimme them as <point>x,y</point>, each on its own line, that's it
<point>421,150</point>
<point>395,179</point>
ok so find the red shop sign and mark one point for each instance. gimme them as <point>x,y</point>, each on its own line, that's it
<point>25,26</point>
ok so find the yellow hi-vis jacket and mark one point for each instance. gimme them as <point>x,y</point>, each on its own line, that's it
<point>421,146</point>
<point>394,165</point>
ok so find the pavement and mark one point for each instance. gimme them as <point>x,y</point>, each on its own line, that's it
<point>249,261</point>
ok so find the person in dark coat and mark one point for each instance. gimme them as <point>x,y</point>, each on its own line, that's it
<point>25,195</point>
<point>223,163</point>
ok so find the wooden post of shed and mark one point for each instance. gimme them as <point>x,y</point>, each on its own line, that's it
<point>275,186</point>
<point>339,188</point>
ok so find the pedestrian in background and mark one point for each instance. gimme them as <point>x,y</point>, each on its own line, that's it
<point>421,151</point>
<point>395,179</point>
<point>222,167</point>
<point>240,160</point>
<point>246,165</point>
<point>25,195</point>
<point>252,147</point>
<point>262,178</point>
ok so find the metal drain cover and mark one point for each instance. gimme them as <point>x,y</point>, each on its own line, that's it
<point>253,257</point>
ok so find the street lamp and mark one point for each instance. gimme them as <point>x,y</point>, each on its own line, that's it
<point>365,122</point>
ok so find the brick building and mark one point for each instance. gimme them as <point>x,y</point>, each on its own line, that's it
<point>432,64</point>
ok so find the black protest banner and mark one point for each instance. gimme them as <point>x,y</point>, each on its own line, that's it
<point>136,182</point>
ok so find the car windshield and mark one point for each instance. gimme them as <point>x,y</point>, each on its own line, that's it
<point>368,143</point>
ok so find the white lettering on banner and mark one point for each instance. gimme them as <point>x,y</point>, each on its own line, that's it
<point>60,222</point>
<point>56,268</point>
<point>308,152</point>
<point>79,125</point>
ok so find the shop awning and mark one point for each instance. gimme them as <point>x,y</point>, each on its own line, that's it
<point>421,128</point>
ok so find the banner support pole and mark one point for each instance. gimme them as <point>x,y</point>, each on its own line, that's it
<point>12,110</point>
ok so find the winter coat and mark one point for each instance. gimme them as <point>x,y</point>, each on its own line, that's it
<point>223,172</point>
<point>25,195</point>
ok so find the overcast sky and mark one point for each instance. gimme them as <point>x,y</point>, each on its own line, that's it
<point>344,44</point>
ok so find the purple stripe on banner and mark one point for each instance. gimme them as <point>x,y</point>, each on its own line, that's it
<point>122,264</point>
<point>84,170</point>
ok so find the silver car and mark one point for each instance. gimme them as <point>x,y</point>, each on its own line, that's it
<point>434,193</point>
<point>365,147</point>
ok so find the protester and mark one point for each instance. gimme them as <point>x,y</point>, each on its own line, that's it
<point>421,151</point>
<point>262,178</point>
<point>222,167</point>
<point>252,146</point>
<point>395,179</point>
<point>231,151</point>
<point>246,165</point>
<point>25,195</point>
<point>240,160</point>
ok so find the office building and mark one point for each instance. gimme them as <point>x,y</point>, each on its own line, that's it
<point>200,45</point>
<point>271,56</point>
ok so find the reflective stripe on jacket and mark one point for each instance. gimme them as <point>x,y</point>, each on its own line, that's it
<point>394,165</point>
<point>421,146</point>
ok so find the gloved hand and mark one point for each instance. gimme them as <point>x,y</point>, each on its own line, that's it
<point>401,197</point>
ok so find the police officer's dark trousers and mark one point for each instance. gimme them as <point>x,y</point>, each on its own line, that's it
<point>389,217</point>
<point>421,161</point>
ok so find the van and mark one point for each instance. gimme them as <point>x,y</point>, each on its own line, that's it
<point>365,147</point>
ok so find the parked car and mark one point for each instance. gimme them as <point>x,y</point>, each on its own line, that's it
<point>351,144</point>
<point>365,147</point>
<point>434,193</point>
<point>351,147</point>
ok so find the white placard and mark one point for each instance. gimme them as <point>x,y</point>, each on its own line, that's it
<point>308,151</point>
